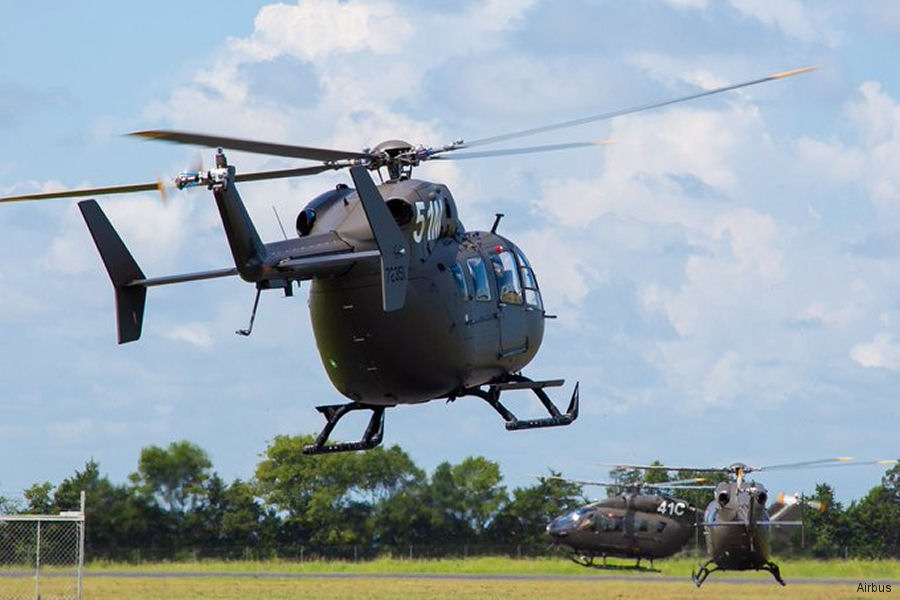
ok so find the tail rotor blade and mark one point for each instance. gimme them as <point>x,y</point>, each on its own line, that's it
<point>98,191</point>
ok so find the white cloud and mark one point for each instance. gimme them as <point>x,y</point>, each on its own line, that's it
<point>195,334</point>
<point>882,352</point>
<point>840,318</point>
<point>313,29</point>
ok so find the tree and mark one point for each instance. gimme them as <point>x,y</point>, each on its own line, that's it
<point>828,529</point>
<point>39,498</point>
<point>876,523</point>
<point>230,521</point>
<point>465,497</point>
<point>329,500</point>
<point>174,476</point>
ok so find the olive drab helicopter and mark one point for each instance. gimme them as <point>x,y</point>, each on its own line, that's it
<point>737,523</point>
<point>632,524</point>
<point>406,304</point>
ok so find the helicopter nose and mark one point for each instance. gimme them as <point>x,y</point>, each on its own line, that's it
<point>559,527</point>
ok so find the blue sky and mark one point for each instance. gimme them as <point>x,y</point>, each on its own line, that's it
<point>726,275</point>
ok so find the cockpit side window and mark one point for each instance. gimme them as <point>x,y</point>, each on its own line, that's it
<point>529,283</point>
<point>508,284</point>
<point>480,278</point>
<point>460,278</point>
<point>606,524</point>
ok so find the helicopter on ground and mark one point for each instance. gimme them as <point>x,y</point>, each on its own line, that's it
<point>407,306</point>
<point>737,523</point>
<point>632,524</point>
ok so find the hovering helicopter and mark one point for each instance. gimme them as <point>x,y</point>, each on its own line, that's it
<point>629,525</point>
<point>406,305</point>
<point>737,523</point>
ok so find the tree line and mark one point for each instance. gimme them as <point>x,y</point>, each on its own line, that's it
<point>374,503</point>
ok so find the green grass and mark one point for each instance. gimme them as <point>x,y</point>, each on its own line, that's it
<point>107,588</point>
<point>678,567</point>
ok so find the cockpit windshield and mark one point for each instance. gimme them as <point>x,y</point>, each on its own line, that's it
<point>529,283</point>
<point>508,284</point>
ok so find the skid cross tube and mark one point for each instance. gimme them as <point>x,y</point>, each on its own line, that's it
<point>520,382</point>
<point>334,413</point>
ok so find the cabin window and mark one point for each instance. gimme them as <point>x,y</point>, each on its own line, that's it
<point>460,278</point>
<point>529,283</point>
<point>606,523</point>
<point>510,289</point>
<point>588,520</point>
<point>480,278</point>
<point>643,525</point>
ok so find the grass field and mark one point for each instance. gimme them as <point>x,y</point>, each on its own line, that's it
<point>834,569</point>
<point>261,580</point>
<point>377,589</point>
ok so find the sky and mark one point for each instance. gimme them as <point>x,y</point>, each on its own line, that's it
<point>726,274</point>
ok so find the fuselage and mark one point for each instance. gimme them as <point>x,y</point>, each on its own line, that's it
<point>734,539</point>
<point>473,312</point>
<point>630,526</point>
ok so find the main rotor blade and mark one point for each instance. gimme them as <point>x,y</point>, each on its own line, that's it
<point>664,468</point>
<point>678,484</point>
<point>837,462</point>
<point>281,173</point>
<point>511,151</point>
<point>98,191</point>
<point>807,464</point>
<point>214,141</point>
<point>627,111</point>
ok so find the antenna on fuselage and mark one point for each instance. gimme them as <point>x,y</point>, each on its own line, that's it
<point>278,218</point>
<point>497,217</point>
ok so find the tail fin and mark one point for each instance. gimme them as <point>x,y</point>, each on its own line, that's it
<point>390,240</point>
<point>123,271</point>
<point>246,246</point>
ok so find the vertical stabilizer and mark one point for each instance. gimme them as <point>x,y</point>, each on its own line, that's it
<point>247,248</point>
<point>390,240</point>
<point>123,271</point>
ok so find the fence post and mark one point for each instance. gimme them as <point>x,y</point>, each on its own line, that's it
<point>81,547</point>
<point>466,551</point>
<point>301,553</point>
<point>518,550</point>
<point>410,552</point>
<point>37,564</point>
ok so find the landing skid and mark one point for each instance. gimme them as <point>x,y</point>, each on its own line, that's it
<point>588,561</point>
<point>699,576</point>
<point>518,382</point>
<point>334,413</point>
<point>774,570</point>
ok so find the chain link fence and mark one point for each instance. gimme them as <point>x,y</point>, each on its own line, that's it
<point>42,556</point>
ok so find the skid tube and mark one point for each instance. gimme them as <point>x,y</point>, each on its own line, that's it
<point>335,412</point>
<point>519,382</point>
